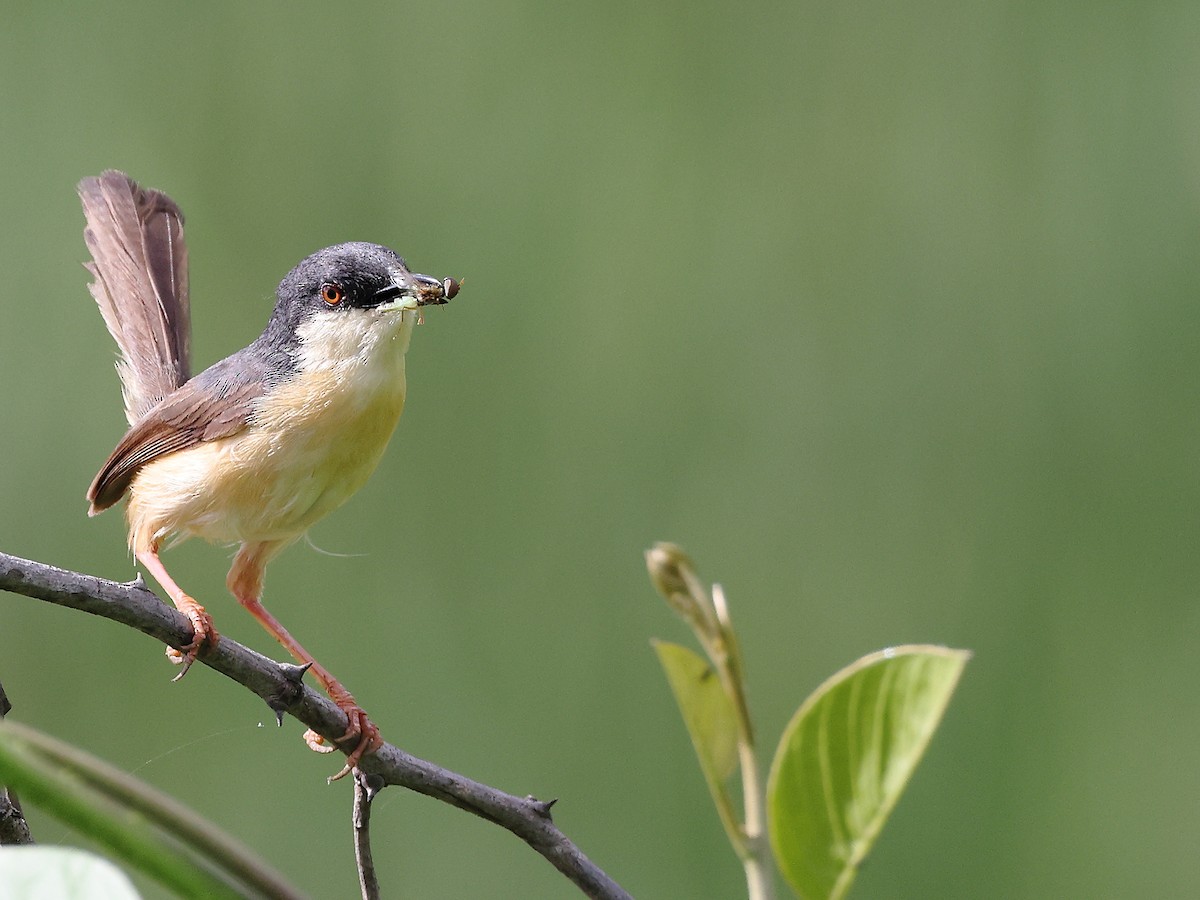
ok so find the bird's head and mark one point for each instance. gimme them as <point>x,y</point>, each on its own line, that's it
<point>345,299</point>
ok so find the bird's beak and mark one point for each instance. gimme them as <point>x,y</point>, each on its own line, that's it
<point>409,290</point>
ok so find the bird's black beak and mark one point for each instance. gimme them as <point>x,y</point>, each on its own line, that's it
<point>423,289</point>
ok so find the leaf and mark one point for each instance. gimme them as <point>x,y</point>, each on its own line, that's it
<point>846,757</point>
<point>27,873</point>
<point>710,720</point>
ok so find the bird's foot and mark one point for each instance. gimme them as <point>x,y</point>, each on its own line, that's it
<point>203,633</point>
<point>360,727</point>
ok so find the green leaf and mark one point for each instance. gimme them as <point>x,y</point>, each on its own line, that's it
<point>710,720</point>
<point>27,873</point>
<point>846,757</point>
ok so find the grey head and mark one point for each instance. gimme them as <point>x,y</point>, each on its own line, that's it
<point>346,279</point>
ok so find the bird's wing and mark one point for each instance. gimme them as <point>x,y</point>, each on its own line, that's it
<point>217,403</point>
<point>139,267</point>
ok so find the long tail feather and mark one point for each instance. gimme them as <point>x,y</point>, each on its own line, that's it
<point>139,267</point>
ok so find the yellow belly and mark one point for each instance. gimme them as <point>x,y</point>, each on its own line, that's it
<point>313,442</point>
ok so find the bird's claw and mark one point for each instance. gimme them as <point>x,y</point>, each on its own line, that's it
<point>359,726</point>
<point>368,740</point>
<point>203,633</point>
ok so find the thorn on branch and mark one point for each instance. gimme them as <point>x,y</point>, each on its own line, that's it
<point>373,782</point>
<point>294,673</point>
<point>292,689</point>
<point>542,807</point>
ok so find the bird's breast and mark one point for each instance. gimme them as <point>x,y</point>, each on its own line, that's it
<point>319,435</point>
<point>312,441</point>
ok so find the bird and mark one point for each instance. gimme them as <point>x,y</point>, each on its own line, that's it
<point>256,448</point>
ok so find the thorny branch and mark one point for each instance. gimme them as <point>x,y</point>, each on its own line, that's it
<point>278,684</point>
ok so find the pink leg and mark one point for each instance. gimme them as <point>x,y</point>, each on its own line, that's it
<point>245,582</point>
<point>202,624</point>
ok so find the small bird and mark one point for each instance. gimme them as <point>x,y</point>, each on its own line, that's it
<point>259,446</point>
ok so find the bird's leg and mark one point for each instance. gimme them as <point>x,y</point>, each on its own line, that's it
<point>245,583</point>
<point>202,624</point>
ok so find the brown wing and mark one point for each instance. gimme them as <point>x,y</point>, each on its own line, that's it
<point>217,403</point>
<point>139,266</point>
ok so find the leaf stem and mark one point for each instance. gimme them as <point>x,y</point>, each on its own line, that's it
<point>756,858</point>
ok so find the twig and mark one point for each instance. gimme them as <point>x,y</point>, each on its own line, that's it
<point>13,827</point>
<point>364,793</point>
<point>133,605</point>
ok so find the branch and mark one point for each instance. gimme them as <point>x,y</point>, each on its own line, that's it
<point>13,827</point>
<point>278,684</point>
<point>364,793</point>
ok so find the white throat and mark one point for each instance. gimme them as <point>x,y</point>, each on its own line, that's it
<point>355,338</point>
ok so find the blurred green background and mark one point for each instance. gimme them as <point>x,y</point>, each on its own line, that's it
<point>886,312</point>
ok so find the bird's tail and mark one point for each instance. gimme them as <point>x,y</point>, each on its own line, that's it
<point>139,267</point>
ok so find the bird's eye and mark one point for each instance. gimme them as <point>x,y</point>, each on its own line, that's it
<point>332,294</point>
